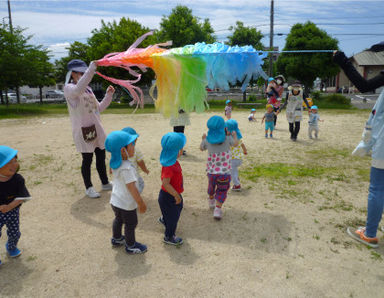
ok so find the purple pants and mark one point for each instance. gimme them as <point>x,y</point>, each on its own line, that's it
<point>218,185</point>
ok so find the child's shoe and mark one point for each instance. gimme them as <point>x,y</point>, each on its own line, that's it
<point>92,193</point>
<point>217,213</point>
<point>236,187</point>
<point>14,252</point>
<point>173,241</point>
<point>266,136</point>
<point>211,203</point>
<point>161,220</point>
<point>271,136</point>
<point>107,186</point>
<point>137,248</point>
<point>118,242</point>
<point>359,235</point>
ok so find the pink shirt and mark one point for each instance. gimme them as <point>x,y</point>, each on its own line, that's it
<point>84,110</point>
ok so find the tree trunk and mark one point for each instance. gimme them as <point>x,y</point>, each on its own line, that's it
<point>1,97</point>
<point>18,94</point>
<point>6,97</point>
<point>244,96</point>
<point>41,94</point>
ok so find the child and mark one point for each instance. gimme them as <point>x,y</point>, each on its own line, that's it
<point>269,120</point>
<point>125,197</point>
<point>232,126</point>
<point>170,199</point>
<point>137,160</point>
<point>251,116</point>
<point>218,143</point>
<point>313,122</point>
<point>12,194</point>
<point>228,109</point>
<point>180,123</point>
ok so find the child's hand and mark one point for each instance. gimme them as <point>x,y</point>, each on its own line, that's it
<point>245,151</point>
<point>146,172</point>
<point>204,136</point>
<point>142,207</point>
<point>178,199</point>
<point>4,208</point>
<point>110,89</point>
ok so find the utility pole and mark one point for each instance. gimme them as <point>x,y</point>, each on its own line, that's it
<point>271,42</point>
<point>10,17</point>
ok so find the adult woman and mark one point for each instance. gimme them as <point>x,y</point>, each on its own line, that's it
<point>373,141</point>
<point>294,104</point>
<point>84,111</point>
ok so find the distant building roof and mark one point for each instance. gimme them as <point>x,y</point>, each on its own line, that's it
<point>369,58</point>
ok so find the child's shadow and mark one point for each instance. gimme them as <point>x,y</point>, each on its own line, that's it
<point>130,266</point>
<point>85,209</point>
<point>183,254</point>
<point>191,158</point>
<point>12,274</point>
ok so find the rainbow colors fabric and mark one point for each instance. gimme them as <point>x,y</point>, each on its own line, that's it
<point>183,74</point>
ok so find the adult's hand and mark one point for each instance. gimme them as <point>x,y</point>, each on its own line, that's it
<point>110,89</point>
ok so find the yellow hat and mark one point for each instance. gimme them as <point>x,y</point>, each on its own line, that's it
<point>269,106</point>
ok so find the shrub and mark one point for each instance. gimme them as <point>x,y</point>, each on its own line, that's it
<point>316,96</point>
<point>337,98</point>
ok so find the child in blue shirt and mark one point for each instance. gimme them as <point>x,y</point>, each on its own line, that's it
<point>314,118</point>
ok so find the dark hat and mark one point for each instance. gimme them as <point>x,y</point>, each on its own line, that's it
<point>296,84</point>
<point>377,47</point>
<point>77,65</point>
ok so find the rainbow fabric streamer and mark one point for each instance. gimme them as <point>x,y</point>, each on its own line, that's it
<point>182,74</point>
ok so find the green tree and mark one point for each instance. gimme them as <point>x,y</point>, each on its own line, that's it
<point>243,36</point>
<point>307,66</point>
<point>183,28</point>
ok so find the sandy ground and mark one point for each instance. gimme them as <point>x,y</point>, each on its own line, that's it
<point>271,242</point>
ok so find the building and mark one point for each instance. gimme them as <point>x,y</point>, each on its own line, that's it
<point>367,63</point>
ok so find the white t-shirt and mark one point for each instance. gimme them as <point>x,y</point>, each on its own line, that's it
<point>120,196</point>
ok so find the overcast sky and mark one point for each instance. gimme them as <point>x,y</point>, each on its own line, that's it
<point>57,23</point>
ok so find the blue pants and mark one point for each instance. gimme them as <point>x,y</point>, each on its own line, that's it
<point>269,125</point>
<point>170,211</point>
<point>11,220</point>
<point>375,201</point>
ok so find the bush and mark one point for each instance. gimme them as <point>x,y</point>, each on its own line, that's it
<point>338,99</point>
<point>316,96</point>
<point>252,97</point>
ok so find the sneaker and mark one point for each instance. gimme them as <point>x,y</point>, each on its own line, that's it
<point>173,241</point>
<point>211,203</point>
<point>137,248</point>
<point>217,213</point>
<point>161,220</point>
<point>359,235</point>
<point>118,242</point>
<point>266,136</point>
<point>14,252</point>
<point>271,136</point>
<point>106,186</point>
<point>92,193</point>
<point>236,187</point>
<point>184,152</point>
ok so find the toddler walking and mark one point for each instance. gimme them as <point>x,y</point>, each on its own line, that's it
<point>228,109</point>
<point>218,143</point>
<point>269,117</point>
<point>137,160</point>
<point>314,118</point>
<point>125,196</point>
<point>13,193</point>
<point>236,152</point>
<point>170,199</point>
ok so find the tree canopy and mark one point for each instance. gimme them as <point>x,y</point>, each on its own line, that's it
<point>243,35</point>
<point>307,66</point>
<point>183,28</point>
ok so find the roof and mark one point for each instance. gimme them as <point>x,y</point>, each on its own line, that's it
<point>365,58</point>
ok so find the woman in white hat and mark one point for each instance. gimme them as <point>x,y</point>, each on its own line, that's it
<point>87,130</point>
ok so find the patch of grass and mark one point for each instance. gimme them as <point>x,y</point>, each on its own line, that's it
<point>42,159</point>
<point>376,256</point>
<point>31,258</point>
<point>263,240</point>
<point>363,174</point>
<point>317,237</point>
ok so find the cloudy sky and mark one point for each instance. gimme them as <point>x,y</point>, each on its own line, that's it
<point>56,23</point>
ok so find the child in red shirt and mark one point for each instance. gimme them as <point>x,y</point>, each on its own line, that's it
<point>170,199</point>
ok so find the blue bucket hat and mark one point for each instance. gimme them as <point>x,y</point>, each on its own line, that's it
<point>6,155</point>
<point>314,108</point>
<point>232,125</point>
<point>227,101</point>
<point>270,79</point>
<point>130,130</point>
<point>77,65</point>
<point>114,142</point>
<point>216,130</point>
<point>171,143</point>
<point>253,110</point>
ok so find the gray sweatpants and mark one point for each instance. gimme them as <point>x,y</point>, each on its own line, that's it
<point>312,128</point>
<point>236,163</point>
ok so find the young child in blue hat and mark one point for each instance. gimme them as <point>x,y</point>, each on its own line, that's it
<point>313,122</point>
<point>137,159</point>
<point>237,153</point>
<point>13,193</point>
<point>228,109</point>
<point>125,196</point>
<point>218,144</point>
<point>170,199</point>
<point>251,116</point>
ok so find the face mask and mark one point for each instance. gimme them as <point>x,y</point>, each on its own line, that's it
<point>279,81</point>
<point>126,152</point>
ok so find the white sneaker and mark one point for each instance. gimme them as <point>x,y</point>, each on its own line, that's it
<point>211,203</point>
<point>217,213</point>
<point>92,193</point>
<point>106,186</point>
